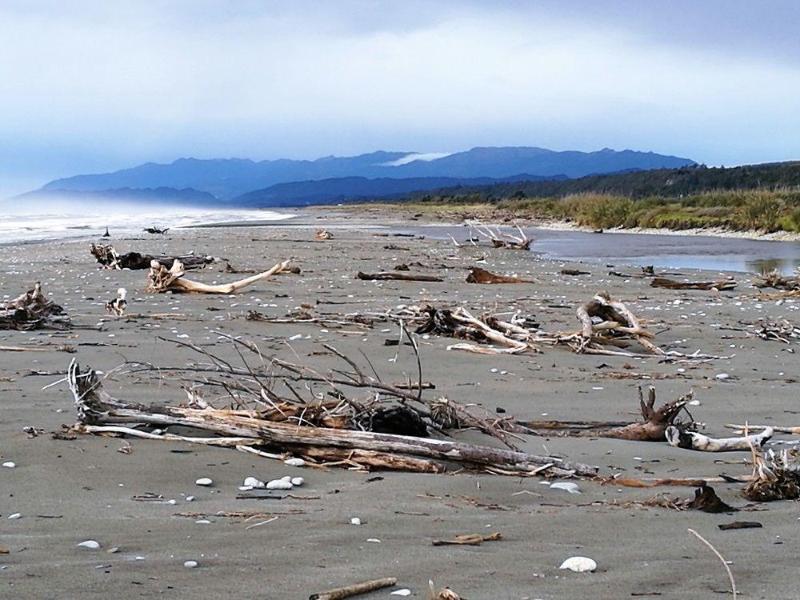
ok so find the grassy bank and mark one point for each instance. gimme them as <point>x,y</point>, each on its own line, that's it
<point>750,210</point>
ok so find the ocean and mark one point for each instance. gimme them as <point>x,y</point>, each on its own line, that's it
<point>21,227</point>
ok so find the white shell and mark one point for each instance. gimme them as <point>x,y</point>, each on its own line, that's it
<point>15,516</point>
<point>355,521</point>
<point>9,465</point>
<point>579,564</point>
<point>403,592</point>
<point>298,481</point>
<point>204,481</point>
<point>252,482</point>
<point>294,462</point>
<point>190,564</point>
<point>279,484</point>
<point>90,545</point>
<point>567,486</point>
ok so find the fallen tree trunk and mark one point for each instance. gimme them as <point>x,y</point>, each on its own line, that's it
<point>107,256</point>
<point>95,407</point>
<point>692,440</point>
<point>394,276</point>
<point>478,275</point>
<point>160,280</point>
<point>721,285</point>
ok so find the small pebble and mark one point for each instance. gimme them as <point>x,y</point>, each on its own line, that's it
<point>190,564</point>
<point>294,462</point>
<point>15,516</point>
<point>204,481</point>
<point>355,521</point>
<point>402,592</point>
<point>9,465</point>
<point>567,486</point>
<point>297,481</point>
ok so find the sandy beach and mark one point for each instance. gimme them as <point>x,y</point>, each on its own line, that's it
<point>90,488</point>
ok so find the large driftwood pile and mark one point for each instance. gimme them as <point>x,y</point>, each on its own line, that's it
<point>32,310</point>
<point>312,428</point>
<point>109,258</point>
<point>778,281</point>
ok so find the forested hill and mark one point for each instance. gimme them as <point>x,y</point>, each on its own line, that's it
<point>639,184</point>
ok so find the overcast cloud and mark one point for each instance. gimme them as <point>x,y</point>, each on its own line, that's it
<point>92,86</point>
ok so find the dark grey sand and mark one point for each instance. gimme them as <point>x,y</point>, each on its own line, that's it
<point>71,491</point>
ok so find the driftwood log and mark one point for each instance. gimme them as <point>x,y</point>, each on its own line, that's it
<point>478,275</point>
<point>160,280</point>
<point>603,319</point>
<point>501,239</point>
<point>108,257</point>
<point>672,284</point>
<point>394,276</point>
<point>355,590</point>
<point>692,440</point>
<point>32,310</point>
<point>651,428</point>
<point>95,407</point>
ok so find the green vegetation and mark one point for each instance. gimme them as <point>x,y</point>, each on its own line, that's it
<point>738,210</point>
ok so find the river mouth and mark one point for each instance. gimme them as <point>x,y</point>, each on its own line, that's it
<point>708,253</point>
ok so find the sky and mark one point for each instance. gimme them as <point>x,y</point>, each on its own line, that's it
<point>92,85</point>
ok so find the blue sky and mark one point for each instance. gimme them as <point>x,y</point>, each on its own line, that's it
<point>90,86</point>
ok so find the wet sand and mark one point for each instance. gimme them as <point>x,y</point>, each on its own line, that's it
<point>71,491</point>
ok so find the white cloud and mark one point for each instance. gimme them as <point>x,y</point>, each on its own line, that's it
<point>133,81</point>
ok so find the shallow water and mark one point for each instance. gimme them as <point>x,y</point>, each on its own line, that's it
<point>662,251</point>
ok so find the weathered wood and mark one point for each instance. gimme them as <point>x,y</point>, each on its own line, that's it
<point>160,279</point>
<point>721,285</point>
<point>108,257</point>
<point>32,310</point>
<point>692,440</point>
<point>478,275</point>
<point>394,276</point>
<point>95,407</point>
<point>355,589</point>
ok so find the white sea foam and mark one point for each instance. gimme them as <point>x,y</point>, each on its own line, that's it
<point>91,222</point>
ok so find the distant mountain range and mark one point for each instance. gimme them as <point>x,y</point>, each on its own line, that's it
<point>285,182</point>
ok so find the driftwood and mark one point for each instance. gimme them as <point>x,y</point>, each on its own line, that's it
<point>775,477</point>
<point>323,234</point>
<point>478,275</point>
<point>32,310</point>
<point>500,239</point>
<point>774,279</point>
<point>355,590</point>
<point>651,428</point>
<point>160,280</point>
<point>156,230</point>
<point>95,407</point>
<point>394,276</point>
<point>692,440</point>
<point>574,272</point>
<point>459,323</point>
<point>605,321</point>
<point>721,285</point>
<point>783,331</point>
<point>107,256</point>
<point>469,539</point>
<point>706,500</point>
